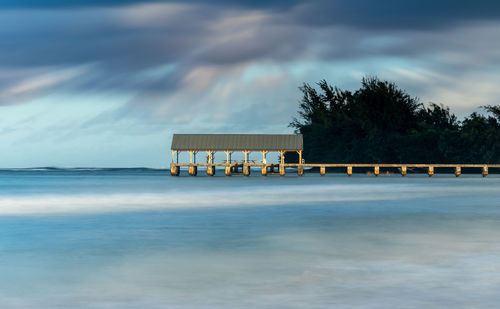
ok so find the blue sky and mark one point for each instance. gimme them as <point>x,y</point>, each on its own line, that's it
<point>106,83</point>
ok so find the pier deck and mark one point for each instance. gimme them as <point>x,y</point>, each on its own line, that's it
<point>271,168</point>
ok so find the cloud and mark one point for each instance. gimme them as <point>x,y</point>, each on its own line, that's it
<point>30,87</point>
<point>197,44</point>
<point>111,3</point>
<point>394,14</point>
<point>362,14</point>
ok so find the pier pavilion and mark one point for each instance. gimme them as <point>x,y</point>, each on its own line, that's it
<point>230,143</point>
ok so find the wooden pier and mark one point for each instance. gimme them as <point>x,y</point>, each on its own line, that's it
<point>280,169</point>
<point>280,143</point>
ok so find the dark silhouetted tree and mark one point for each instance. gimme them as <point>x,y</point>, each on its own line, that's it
<point>382,123</point>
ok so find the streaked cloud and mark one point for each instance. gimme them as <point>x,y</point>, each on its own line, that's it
<point>33,86</point>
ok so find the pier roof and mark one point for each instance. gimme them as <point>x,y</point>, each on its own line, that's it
<point>237,142</point>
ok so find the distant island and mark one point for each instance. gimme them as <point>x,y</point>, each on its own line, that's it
<point>381,123</point>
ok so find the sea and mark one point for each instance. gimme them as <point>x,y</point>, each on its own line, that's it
<point>139,238</point>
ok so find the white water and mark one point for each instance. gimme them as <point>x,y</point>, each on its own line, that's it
<point>222,197</point>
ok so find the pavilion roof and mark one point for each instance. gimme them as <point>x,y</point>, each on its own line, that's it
<point>237,142</point>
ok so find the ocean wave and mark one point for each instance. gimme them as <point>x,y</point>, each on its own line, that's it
<point>216,198</point>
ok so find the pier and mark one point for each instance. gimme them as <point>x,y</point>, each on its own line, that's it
<point>375,169</point>
<point>281,144</point>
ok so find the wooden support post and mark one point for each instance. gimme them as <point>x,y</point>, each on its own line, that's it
<point>282,163</point>
<point>264,157</point>
<point>403,171</point>
<point>174,169</point>
<point>227,170</point>
<point>246,155</point>
<point>300,170</point>
<point>430,172</point>
<point>322,170</point>
<point>263,170</point>
<point>300,156</point>
<point>246,170</point>
<point>458,171</point>
<point>485,171</point>
<point>210,155</point>
<point>376,170</point>
<point>190,157</point>
<point>210,170</point>
<point>228,156</point>
<point>349,171</point>
<point>173,152</point>
<point>193,170</point>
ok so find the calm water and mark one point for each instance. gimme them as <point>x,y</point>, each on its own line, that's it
<point>142,239</point>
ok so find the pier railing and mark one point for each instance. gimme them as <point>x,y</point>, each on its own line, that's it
<point>280,169</point>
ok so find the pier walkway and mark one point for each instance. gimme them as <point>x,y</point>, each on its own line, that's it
<point>280,169</point>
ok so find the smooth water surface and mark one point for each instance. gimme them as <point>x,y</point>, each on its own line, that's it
<point>138,238</point>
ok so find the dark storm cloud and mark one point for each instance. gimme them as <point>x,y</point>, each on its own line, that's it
<point>122,41</point>
<point>30,37</point>
<point>33,37</point>
<point>363,13</point>
<point>109,3</point>
<point>34,42</point>
<point>423,14</point>
<point>37,38</point>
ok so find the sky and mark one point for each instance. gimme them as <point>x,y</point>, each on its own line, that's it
<point>103,83</point>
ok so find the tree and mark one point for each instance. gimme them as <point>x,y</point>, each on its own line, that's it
<point>382,123</point>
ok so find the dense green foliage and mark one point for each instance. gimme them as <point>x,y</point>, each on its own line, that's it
<point>380,123</point>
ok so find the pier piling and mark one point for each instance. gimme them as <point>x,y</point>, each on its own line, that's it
<point>210,170</point>
<point>246,170</point>
<point>430,171</point>
<point>263,170</point>
<point>300,170</point>
<point>376,170</point>
<point>282,170</point>
<point>349,171</point>
<point>322,170</point>
<point>193,170</point>
<point>174,169</point>
<point>458,171</point>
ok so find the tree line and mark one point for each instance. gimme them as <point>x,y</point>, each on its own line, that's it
<point>381,123</point>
